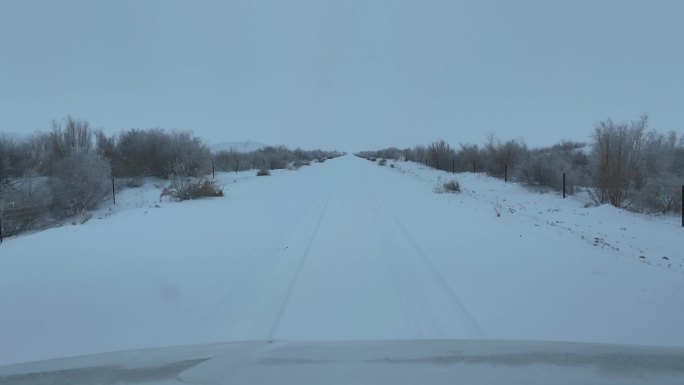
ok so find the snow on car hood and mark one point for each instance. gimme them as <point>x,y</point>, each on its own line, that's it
<point>368,362</point>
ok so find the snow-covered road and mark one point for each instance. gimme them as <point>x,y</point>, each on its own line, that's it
<point>334,262</point>
<point>345,250</point>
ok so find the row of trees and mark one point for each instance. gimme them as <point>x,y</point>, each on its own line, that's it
<point>69,171</point>
<point>50,177</point>
<point>269,158</point>
<point>625,164</point>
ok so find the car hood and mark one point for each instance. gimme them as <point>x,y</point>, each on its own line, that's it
<point>422,362</point>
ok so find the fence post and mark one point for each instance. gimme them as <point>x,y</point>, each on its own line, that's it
<point>563,185</point>
<point>453,166</point>
<point>212,169</point>
<point>506,174</point>
<point>0,228</point>
<point>683,205</point>
<point>473,167</point>
<point>113,191</point>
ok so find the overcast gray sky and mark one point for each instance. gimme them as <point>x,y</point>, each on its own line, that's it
<point>343,74</point>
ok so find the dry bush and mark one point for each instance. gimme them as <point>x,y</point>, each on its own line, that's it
<point>658,196</point>
<point>301,163</point>
<point>156,152</point>
<point>617,160</point>
<point>186,188</point>
<point>23,212</point>
<point>134,182</point>
<point>79,182</point>
<point>440,156</point>
<point>499,156</point>
<point>263,172</point>
<point>544,167</point>
<point>497,208</point>
<point>450,186</point>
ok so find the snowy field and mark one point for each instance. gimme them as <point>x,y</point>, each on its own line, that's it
<point>345,250</point>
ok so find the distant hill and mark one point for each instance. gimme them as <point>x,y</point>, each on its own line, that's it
<point>237,146</point>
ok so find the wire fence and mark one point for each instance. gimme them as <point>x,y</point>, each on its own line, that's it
<point>38,205</point>
<point>656,196</point>
<point>29,203</point>
<point>41,206</point>
<point>44,206</point>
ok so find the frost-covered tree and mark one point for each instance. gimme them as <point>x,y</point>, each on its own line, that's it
<point>617,159</point>
<point>80,183</point>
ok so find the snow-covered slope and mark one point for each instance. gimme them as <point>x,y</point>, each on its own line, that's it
<point>344,250</point>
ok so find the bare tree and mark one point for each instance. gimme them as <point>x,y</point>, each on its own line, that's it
<point>499,156</point>
<point>617,153</point>
<point>73,137</point>
<point>79,184</point>
<point>440,155</point>
<point>469,155</point>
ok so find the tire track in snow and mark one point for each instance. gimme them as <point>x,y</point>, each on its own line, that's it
<point>396,276</point>
<point>242,293</point>
<point>300,266</point>
<point>440,283</point>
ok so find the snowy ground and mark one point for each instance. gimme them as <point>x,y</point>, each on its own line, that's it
<point>345,250</point>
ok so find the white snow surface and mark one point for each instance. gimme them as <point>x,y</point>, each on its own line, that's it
<point>344,250</point>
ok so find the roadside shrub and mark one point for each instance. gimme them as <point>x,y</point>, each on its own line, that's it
<point>185,188</point>
<point>134,182</point>
<point>499,156</point>
<point>450,186</point>
<point>440,156</point>
<point>468,157</point>
<point>15,159</point>
<point>49,177</point>
<point>272,158</point>
<point>624,165</point>
<point>155,152</point>
<point>300,163</point>
<point>24,208</point>
<point>541,169</point>
<point>382,162</point>
<point>661,196</point>
<point>232,161</point>
<point>80,182</point>
<point>617,160</point>
<point>67,139</point>
<point>263,172</point>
